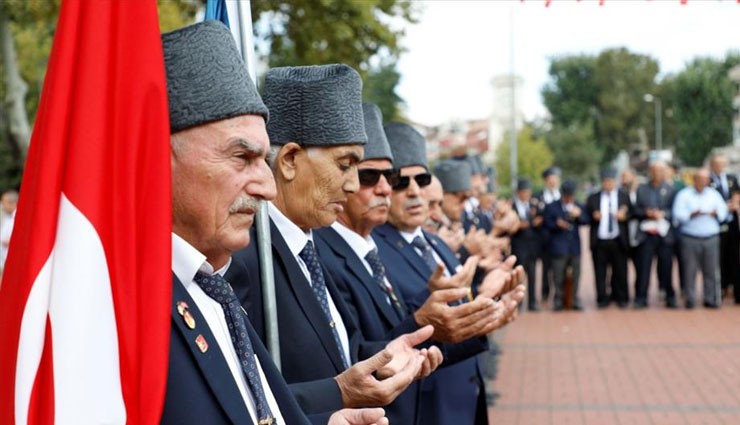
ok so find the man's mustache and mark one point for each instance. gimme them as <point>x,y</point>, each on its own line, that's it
<point>244,204</point>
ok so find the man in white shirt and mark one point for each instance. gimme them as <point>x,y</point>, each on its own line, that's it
<point>317,135</point>
<point>8,203</point>
<point>219,372</point>
<point>699,210</point>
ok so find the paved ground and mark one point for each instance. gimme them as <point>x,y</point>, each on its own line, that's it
<point>612,366</point>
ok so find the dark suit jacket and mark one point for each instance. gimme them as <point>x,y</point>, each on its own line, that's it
<point>200,387</point>
<point>450,395</point>
<point>732,188</point>
<point>310,358</point>
<point>367,304</point>
<point>561,241</point>
<point>478,219</point>
<point>593,203</point>
<point>526,242</point>
<point>654,197</point>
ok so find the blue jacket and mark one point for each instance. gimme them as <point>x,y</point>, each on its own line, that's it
<point>310,358</point>
<point>454,394</point>
<point>200,386</point>
<point>562,242</point>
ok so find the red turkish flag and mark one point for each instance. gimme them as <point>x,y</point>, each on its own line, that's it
<point>84,304</point>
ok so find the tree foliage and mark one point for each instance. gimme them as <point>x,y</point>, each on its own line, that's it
<point>32,25</point>
<point>602,96</point>
<point>364,34</point>
<point>380,89</point>
<point>623,78</point>
<point>316,32</point>
<point>575,150</point>
<point>533,156</point>
<point>700,99</point>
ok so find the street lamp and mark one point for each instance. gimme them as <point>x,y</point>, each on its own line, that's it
<point>649,98</point>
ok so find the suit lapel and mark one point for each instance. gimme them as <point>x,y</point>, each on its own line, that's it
<point>357,268</point>
<point>303,293</point>
<point>451,262</point>
<point>212,362</point>
<point>394,239</point>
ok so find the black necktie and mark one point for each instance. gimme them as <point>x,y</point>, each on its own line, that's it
<point>426,252</point>
<point>216,287</point>
<point>380,278</point>
<point>318,284</point>
<point>611,216</point>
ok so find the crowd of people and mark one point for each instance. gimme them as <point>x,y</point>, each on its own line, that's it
<point>372,310</point>
<point>390,274</point>
<point>632,221</point>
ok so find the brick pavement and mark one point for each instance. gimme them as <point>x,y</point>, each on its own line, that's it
<point>612,366</point>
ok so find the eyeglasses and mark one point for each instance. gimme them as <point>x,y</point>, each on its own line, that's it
<point>422,180</point>
<point>371,176</point>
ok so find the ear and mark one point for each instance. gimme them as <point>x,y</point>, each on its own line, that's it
<point>286,163</point>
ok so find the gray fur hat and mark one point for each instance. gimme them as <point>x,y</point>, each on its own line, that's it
<point>455,176</point>
<point>315,105</point>
<point>206,78</point>
<point>408,145</point>
<point>377,144</point>
<point>476,164</point>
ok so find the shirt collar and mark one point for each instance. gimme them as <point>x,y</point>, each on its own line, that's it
<point>409,236</point>
<point>361,246</point>
<point>293,235</point>
<point>187,261</point>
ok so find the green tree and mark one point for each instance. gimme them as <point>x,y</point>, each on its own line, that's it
<point>700,98</point>
<point>533,156</point>
<point>380,88</point>
<point>571,96</point>
<point>29,26</point>
<point>315,32</point>
<point>623,78</point>
<point>358,33</point>
<point>575,151</point>
<point>603,96</point>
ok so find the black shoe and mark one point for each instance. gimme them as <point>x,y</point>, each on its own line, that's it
<point>640,305</point>
<point>577,307</point>
<point>533,307</point>
<point>710,305</point>
<point>602,304</point>
<point>557,307</point>
<point>671,304</point>
<point>622,305</point>
<point>689,305</point>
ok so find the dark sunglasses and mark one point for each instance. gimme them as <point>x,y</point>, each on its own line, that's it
<point>371,176</point>
<point>422,180</point>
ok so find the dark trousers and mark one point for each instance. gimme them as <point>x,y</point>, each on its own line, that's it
<point>547,275</point>
<point>560,266</point>
<point>610,254</point>
<point>729,251</point>
<point>530,268</point>
<point>653,246</point>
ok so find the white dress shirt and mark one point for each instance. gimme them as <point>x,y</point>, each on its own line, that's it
<point>296,240</point>
<point>361,247</point>
<point>550,195</point>
<point>186,262</point>
<point>409,237</point>
<point>6,229</point>
<point>608,207</point>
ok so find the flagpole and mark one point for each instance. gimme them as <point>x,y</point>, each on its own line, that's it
<point>264,243</point>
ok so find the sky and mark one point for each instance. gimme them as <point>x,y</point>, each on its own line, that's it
<point>458,46</point>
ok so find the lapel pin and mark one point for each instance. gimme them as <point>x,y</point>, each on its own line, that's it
<point>201,343</point>
<point>188,318</point>
<point>181,307</point>
<point>400,244</point>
